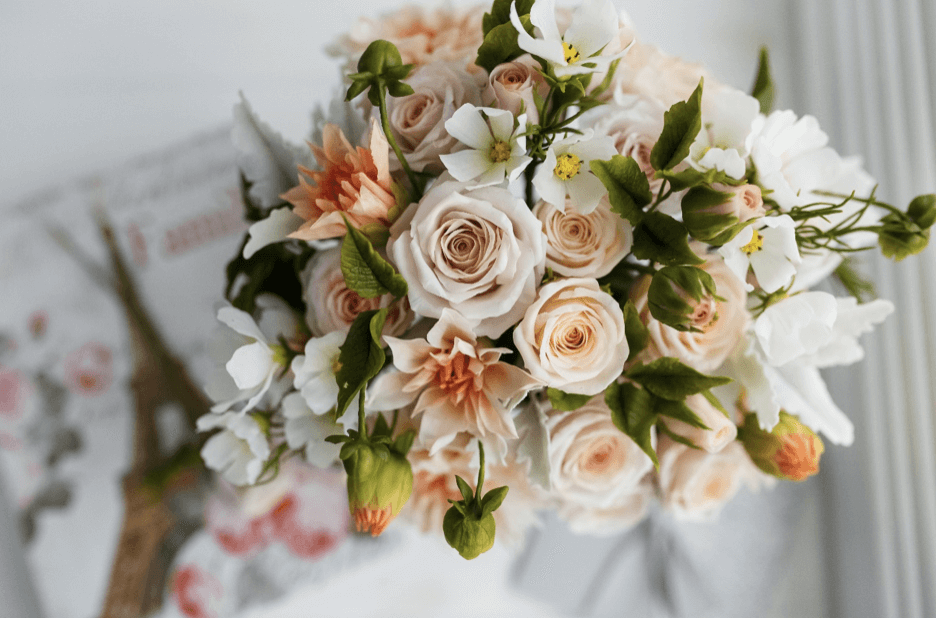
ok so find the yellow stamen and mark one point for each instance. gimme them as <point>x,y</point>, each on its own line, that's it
<point>280,355</point>
<point>572,55</point>
<point>567,166</point>
<point>756,244</point>
<point>500,152</point>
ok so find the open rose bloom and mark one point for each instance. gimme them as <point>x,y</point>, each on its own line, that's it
<point>599,311</point>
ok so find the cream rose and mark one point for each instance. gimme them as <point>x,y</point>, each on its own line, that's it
<point>572,337</point>
<point>634,122</point>
<point>511,86</point>
<point>647,71</point>
<point>720,433</point>
<point>331,306</point>
<point>596,471</point>
<point>746,203</point>
<point>696,484</point>
<point>422,35</point>
<point>580,245</point>
<point>418,120</point>
<point>721,323</point>
<point>479,251</point>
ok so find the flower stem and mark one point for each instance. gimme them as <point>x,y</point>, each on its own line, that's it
<point>528,174</point>
<point>362,423</point>
<point>481,471</point>
<point>385,123</point>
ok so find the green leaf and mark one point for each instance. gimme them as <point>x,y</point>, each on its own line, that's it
<point>670,379</point>
<point>632,412</point>
<point>637,334</point>
<point>465,489</point>
<point>500,13</point>
<point>500,45</point>
<point>361,357</point>
<point>670,291</point>
<point>679,411</point>
<point>493,499</point>
<point>365,272</point>
<point>716,403</point>
<point>338,439</point>
<point>691,177</point>
<point>854,281</point>
<point>661,427</point>
<point>681,125</point>
<point>763,89</point>
<point>404,442</point>
<point>628,187</point>
<point>661,238</point>
<point>566,402</point>
<point>922,210</point>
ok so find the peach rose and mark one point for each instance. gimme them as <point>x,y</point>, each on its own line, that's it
<point>434,485</point>
<point>580,245</point>
<point>331,306</point>
<point>418,120</point>
<point>511,86</point>
<point>596,471</point>
<point>477,250</point>
<point>722,323</point>
<point>422,35</point>
<point>720,433</point>
<point>572,337</point>
<point>354,182</point>
<point>696,484</point>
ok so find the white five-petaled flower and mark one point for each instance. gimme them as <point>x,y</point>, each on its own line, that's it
<point>769,247</point>
<point>495,150</point>
<point>306,430</point>
<point>253,363</point>
<point>594,25</point>
<point>724,142</point>
<point>239,451</point>
<point>566,172</point>
<point>315,373</point>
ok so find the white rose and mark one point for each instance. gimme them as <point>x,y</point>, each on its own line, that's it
<point>572,337</point>
<point>722,323</point>
<point>720,433</point>
<point>580,245</point>
<point>511,86</point>
<point>418,120</point>
<point>696,484</point>
<point>479,251</point>
<point>595,469</point>
<point>331,306</point>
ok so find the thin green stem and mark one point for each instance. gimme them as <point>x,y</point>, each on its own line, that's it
<point>481,471</point>
<point>362,421</point>
<point>385,123</point>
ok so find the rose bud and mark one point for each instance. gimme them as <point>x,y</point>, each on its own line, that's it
<point>716,214</point>
<point>791,451</point>
<point>684,298</point>
<point>380,481</point>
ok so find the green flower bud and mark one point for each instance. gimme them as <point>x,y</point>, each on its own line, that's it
<point>683,297</point>
<point>709,215</point>
<point>469,535</point>
<point>923,210</point>
<point>380,481</point>
<point>791,451</point>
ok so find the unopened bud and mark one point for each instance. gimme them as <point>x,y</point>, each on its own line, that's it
<point>380,481</point>
<point>791,451</point>
<point>469,535</point>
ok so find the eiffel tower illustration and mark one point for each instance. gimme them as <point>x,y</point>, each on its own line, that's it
<point>151,530</point>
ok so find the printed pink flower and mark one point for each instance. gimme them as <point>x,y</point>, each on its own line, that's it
<point>460,385</point>
<point>89,369</point>
<point>353,181</point>
<point>196,593</point>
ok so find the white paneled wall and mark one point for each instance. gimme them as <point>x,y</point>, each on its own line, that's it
<point>870,76</point>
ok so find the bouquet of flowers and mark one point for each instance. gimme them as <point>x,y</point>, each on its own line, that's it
<point>525,247</point>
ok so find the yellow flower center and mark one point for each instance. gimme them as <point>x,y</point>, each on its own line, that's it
<point>567,166</point>
<point>280,355</point>
<point>336,364</point>
<point>500,152</point>
<point>756,244</point>
<point>572,54</point>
